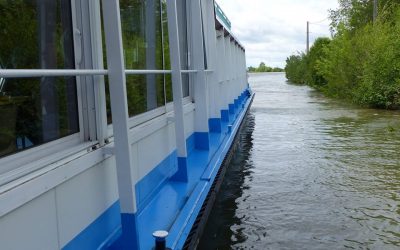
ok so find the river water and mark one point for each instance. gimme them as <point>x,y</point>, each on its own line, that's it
<point>310,173</point>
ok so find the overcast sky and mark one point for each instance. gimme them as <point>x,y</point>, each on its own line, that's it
<point>272,30</point>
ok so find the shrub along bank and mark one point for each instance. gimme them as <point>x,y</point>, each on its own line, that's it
<point>361,63</point>
<point>264,68</point>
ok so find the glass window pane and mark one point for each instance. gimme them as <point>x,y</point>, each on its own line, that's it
<point>140,99</point>
<point>36,35</point>
<point>34,111</point>
<point>143,49</point>
<point>108,100</point>
<point>144,97</point>
<point>168,88</point>
<point>183,43</point>
<point>146,46</point>
<point>141,34</point>
<point>167,59</point>
<point>204,38</point>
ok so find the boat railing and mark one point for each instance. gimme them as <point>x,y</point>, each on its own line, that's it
<point>26,73</point>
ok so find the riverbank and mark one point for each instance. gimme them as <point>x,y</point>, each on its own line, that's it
<point>360,63</point>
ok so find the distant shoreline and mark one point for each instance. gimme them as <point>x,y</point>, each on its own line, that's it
<point>259,73</point>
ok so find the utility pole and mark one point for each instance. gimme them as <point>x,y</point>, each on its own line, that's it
<point>308,37</point>
<point>375,11</point>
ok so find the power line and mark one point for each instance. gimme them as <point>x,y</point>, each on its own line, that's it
<point>323,20</point>
<point>319,34</point>
<point>321,24</point>
<point>308,32</point>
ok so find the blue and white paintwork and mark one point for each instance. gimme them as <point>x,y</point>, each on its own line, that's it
<point>74,202</point>
<point>169,205</point>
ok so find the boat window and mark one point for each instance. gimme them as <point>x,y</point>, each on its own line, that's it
<point>143,49</point>
<point>166,57</point>
<point>203,36</point>
<point>183,43</point>
<point>36,35</point>
<point>145,40</point>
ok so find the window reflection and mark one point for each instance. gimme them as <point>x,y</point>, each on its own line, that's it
<point>183,43</point>
<point>146,46</point>
<point>36,35</point>
<point>204,37</point>
<point>166,59</point>
<point>143,49</point>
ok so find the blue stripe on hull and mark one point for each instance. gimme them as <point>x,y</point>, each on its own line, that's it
<point>225,115</point>
<point>215,125</point>
<point>154,180</point>
<point>98,232</point>
<point>165,204</point>
<point>231,109</point>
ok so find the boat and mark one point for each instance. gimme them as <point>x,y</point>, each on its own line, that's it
<point>118,119</point>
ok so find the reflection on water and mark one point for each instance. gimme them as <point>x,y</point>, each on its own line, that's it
<point>218,231</point>
<point>311,173</point>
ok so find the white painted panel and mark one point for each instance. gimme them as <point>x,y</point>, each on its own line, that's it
<point>189,124</point>
<point>136,166</point>
<point>153,149</point>
<point>84,198</point>
<point>32,226</point>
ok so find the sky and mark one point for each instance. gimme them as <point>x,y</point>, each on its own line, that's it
<point>272,30</point>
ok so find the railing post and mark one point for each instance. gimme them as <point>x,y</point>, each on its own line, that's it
<point>181,175</point>
<point>213,84</point>
<point>228,73</point>
<point>119,108</point>
<point>198,30</point>
<point>220,73</point>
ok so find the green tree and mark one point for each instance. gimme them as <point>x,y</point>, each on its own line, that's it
<point>361,63</point>
<point>295,68</point>
<point>264,68</point>
<point>316,54</point>
<point>251,69</point>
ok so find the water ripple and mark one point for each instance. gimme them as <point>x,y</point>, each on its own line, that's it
<point>310,173</point>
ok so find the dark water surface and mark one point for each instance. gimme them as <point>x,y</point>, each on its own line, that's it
<point>310,173</point>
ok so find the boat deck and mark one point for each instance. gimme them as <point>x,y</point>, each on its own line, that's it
<point>175,206</point>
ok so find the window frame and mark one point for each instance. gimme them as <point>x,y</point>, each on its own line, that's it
<point>144,117</point>
<point>93,127</point>
<point>21,163</point>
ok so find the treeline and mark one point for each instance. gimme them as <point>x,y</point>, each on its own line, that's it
<point>361,63</point>
<point>264,68</point>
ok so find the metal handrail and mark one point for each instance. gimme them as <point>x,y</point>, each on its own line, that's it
<point>146,71</point>
<point>24,73</point>
<point>189,71</point>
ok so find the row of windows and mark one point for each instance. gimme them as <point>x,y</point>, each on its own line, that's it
<point>38,34</point>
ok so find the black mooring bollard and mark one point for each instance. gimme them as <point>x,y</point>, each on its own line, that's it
<point>160,240</point>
